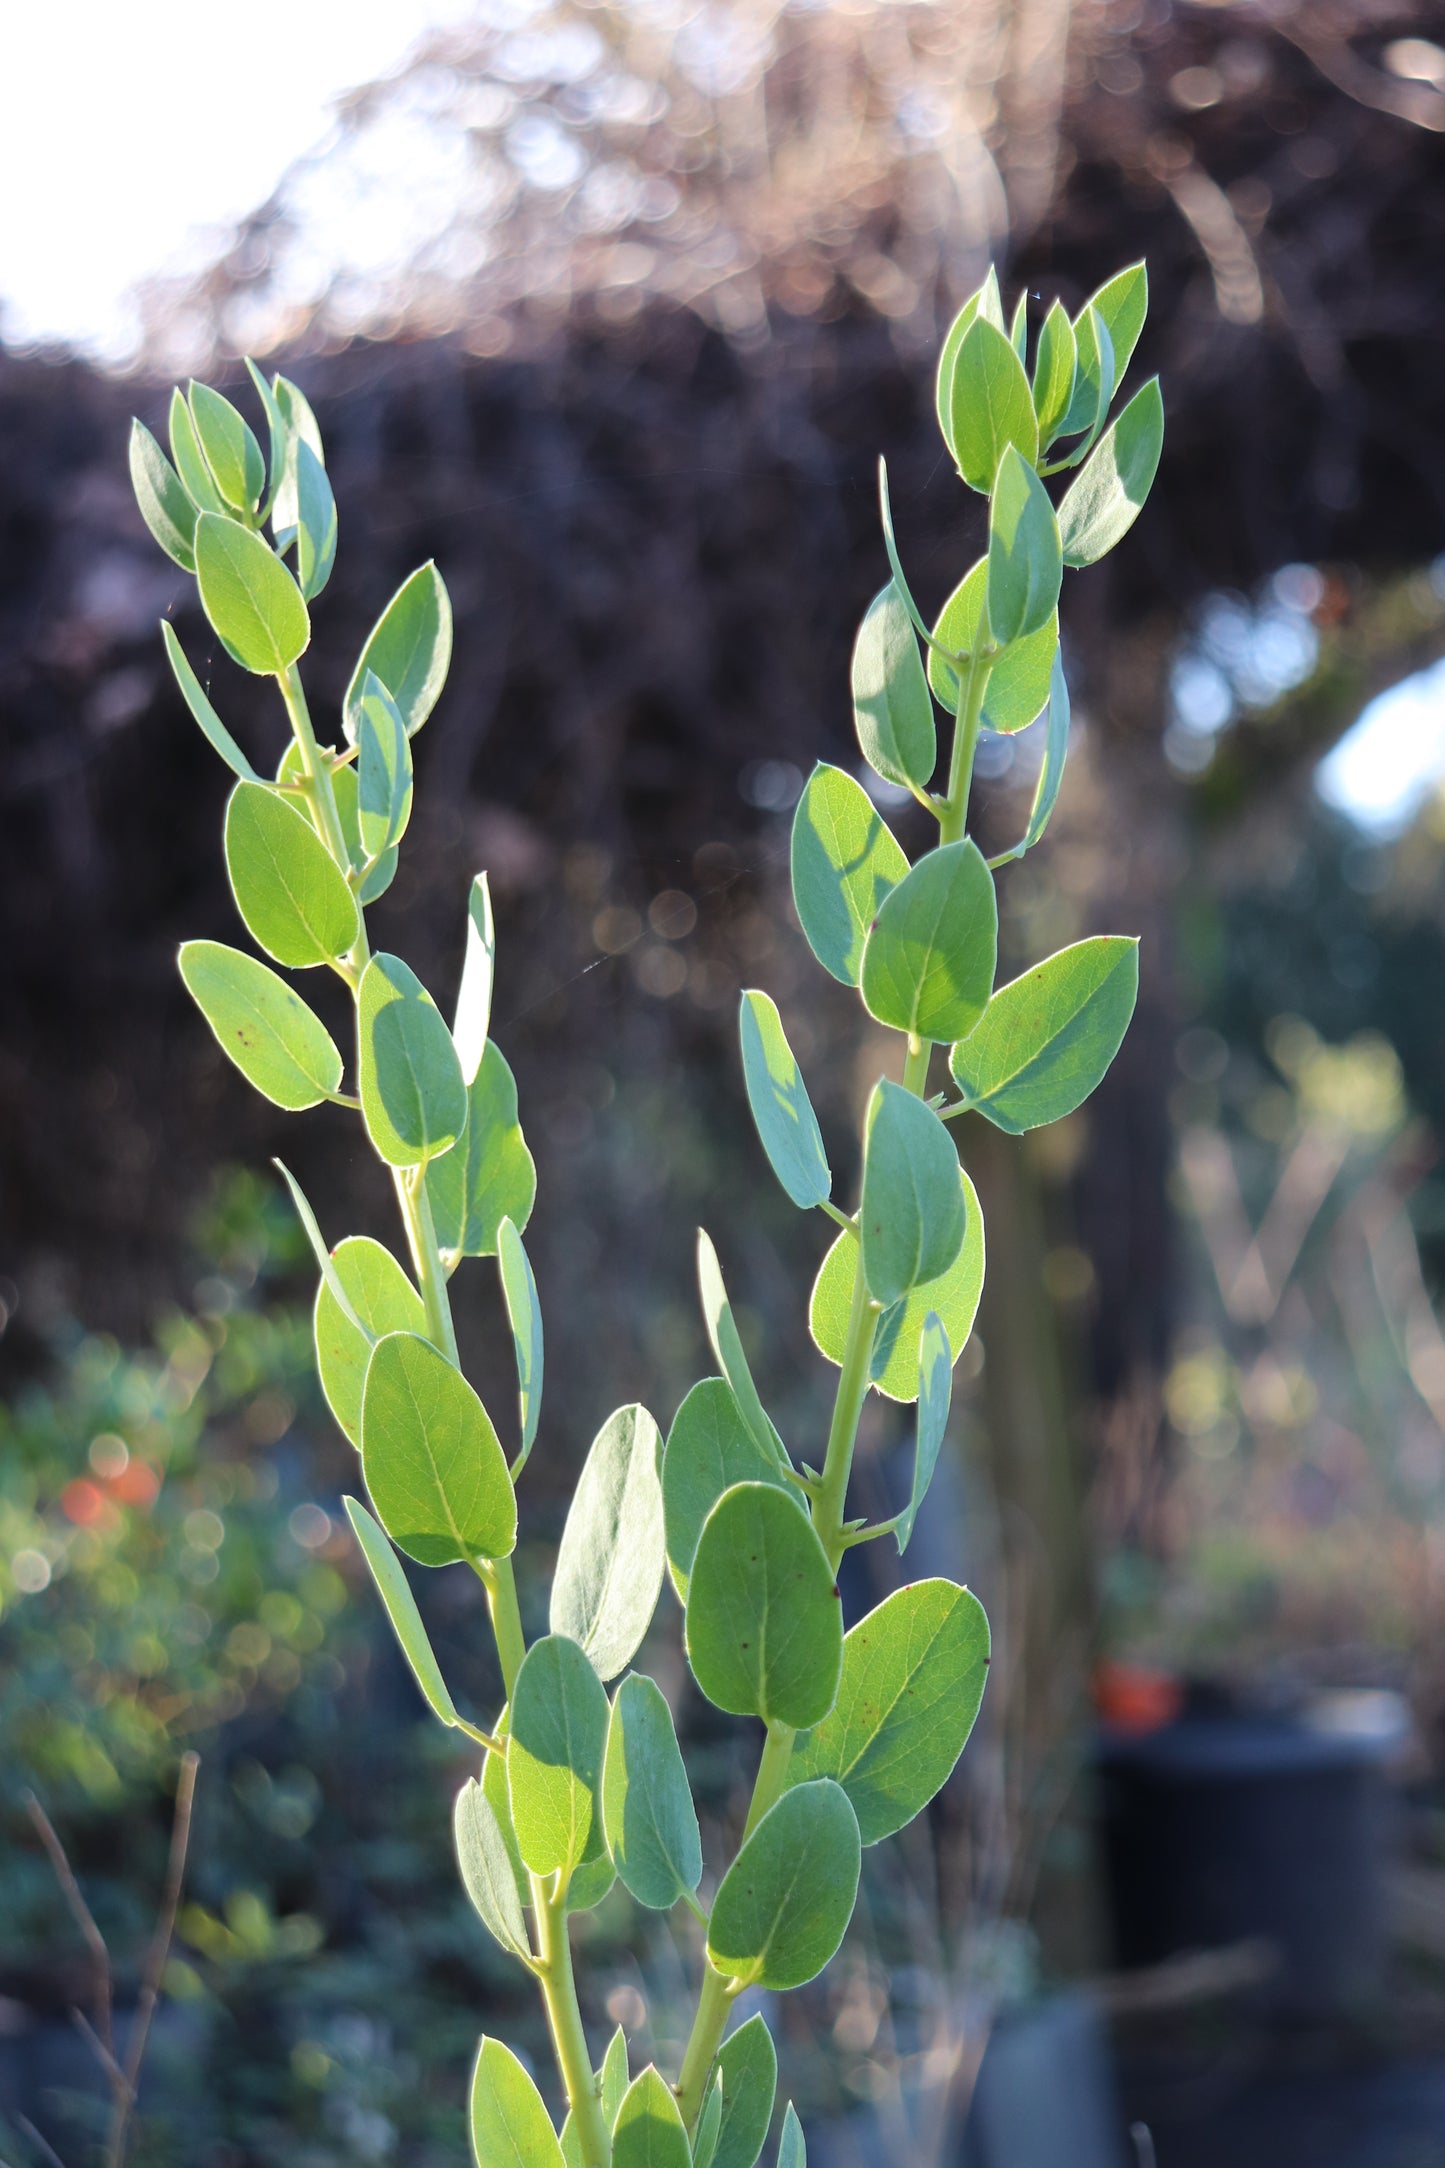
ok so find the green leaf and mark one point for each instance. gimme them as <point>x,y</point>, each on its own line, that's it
<point>486,1869</point>
<point>912,1217</point>
<point>395,1592</point>
<point>254,605</point>
<point>315,523</point>
<point>231,451</point>
<point>554,1761</point>
<point>510,2126</point>
<point>383,1299</point>
<point>1025,566</point>
<point>890,544</point>
<point>954,1297</point>
<point>650,2132</point>
<point>164,505</point>
<point>190,460</point>
<point>613,2077</point>
<point>764,1627</point>
<point>1018,683</point>
<point>929,960</point>
<point>935,1391</point>
<point>498,1798</point>
<point>709,2124</point>
<point>277,434</point>
<point>709,1449</point>
<point>590,1883</point>
<point>524,1315</point>
<point>409,648</point>
<point>1051,768</point>
<point>1055,365</point>
<point>202,710</point>
<point>433,1465</point>
<point>784,1904</point>
<point>319,1250</point>
<point>892,712</point>
<point>610,1562</point>
<point>1018,330</point>
<point>792,2152</point>
<point>748,2065</point>
<point>474,999</point>
<point>383,770</point>
<point>1093,376</point>
<point>491,1176</point>
<point>301,428</point>
<point>346,789</point>
<point>986,302</point>
<point>266,1030</point>
<point>845,862</point>
<point>412,1095</point>
<point>783,1112</point>
<point>288,888</point>
<point>1106,498</point>
<point>992,406</point>
<point>1046,1040</point>
<point>1123,303</point>
<point>727,1346</point>
<point>647,1808</point>
<point>913,1677</point>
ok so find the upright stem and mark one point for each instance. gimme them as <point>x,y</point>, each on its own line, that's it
<point>953,821</point>
<point>500,1584</point>
<point>559,1990</point>
<point>421,1237</point>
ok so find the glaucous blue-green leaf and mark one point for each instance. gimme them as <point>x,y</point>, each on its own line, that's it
<point>784,1904</point>
<point>276,434</point>
<point>590,1883</point>
<point>892,712</point>
<point>383,1299</point>
<point>409,648</point>
<point>709,2124</point>
<point>524,1315</point>
<point>254,605</point>
<point>764,1627</point>
<point>301,428</point>
<point>913,1677</point>
<point>783,1112</point>
<point>610,1562</point>
<point>845,861</point>
<point>231,451</point>
<point>554,1762</point>
<point>992,405</point>
<point>709,1448</point>
<point>383,769</point>
<point>1025,564</point>
<point>267,1030</point>
<point>510,2126</point>
<point>928,962</point>
<point>792,2151</point>
<point>614,2077</point>
<point>748,2064</point>
<point>200,707</point>
<point>647,1808</point>
<point>953,1297</point>
<point>345,788</point>
<point>491,1176</point>
<point>474,998</point>
<point>164,505</point>
<point>315,523</point>
<point>935,1391</point>
<point>413,1099</point>
<point>433,1466</point>
<point>498,1798</point>
<point>395,1592</point>
<point>890,544</point>
<point>1056,751</point>
<point>911,1219</point>
<point>1018,330</point>
<point>1093,378</point>
<point>727,1346</point>
<point>486,1869</point>
<point>1107,496</point>
<point>1018,683</point>
<point>1046,1040</point>
<point>649,2132</point>
<point>310,1227</point>
<point>1055,364</point>
<point>986,302</point>
<point>190,460</point>
<point>288,888</point>
<point>1123,303</point>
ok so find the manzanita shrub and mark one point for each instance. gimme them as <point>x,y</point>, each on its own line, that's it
<point>578,1786</point>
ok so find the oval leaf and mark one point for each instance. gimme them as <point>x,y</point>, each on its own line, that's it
<point>383,771</point>
<point>1104,501</point>
<point>1094,379</point>
<point>433,1465</point>
<point>1025,566</point>
<point>748,2065</point>
<point>845,862</point>
<point>649,2132</point>
<point>913,1677</point>
<point>609,1565</point>
<point>912,1217</point>
<point>764,1627</point>
<point>384,1301</point>
<point>892,712</point>
<point>1018,682</point>
<point>164,504</point>
<point>486,1869</point>
<point>1054,367</point>
<point>953,1298</point>
<point>929,961</point>
<point>491,1176</point>
<point>267,1030</point>
<point>409,648</point>
<point>524,1315</point>
<point>554,1758</point>
<point>784,1904</point>
<point>986,302</point>
<point>783,1112</point>
<point>1046,1040</point>
<point>647,1808</point>
<point>413,1099</point>
<point>709,1449</point>
<point>288,888</point>
<point>231,451</point>
<point>254,605</point>
<point>395,1592</point>
<point>1123,304</point>
<point>992,406</point>
<point>190,461</point>
<point>509,2123</point>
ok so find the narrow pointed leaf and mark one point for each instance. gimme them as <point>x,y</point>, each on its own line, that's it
<point>474,1000</point>
<point>611,1558</point>
<point>748,2066</point>
<point>486,1870</point>
<point>200,707</point>
<point>1018,683</point>
<point>647,1808</point>
<point>935,1391</point>
<point>383,1299</point>
<point>524,1315</point>
<point>992,406</point>
<point>312,1231</point>
<point>1106,498</point>
<point>727,1346</point>
<point>491,1175</point>
<point>911,1221</point>
<point>890,544</point>
<point>254,605</point>
<point>395,1592</point>
<point>953,1298</point>
<point>435,1471</point>
<point>1046,1040</point>
<point>510,2126</point>
<point>614,2077</point>
<point>1054,369</point>
<point>709,1448</point>
<point>498,1798</point>
<point>164,504</point>
<point>262,1026</point>
<point>1123,303</point>
<point>301,428</point>
<point>1025,563</point>
<point>409,648</point>
<point>383,770</point>
<point>709,2125</point>
<point>1018,330</point>
<point>277,435</point>
<point>783,1112</point>
<point>792,2151</point>
<point>986,302</point>
<point>195,475</point>
<point>846,860</point>
<point>315,523</point>
<point>288,888</point>
<point>1093,377</point>
<point>231,451</point>
<point>784,1904</point>
<point>1056,750</point>
<point>649,2132</point>
<point>914,1673</point>
<point>554,1760</point>
<point>892,711</point>
<point>413,1099</point>
<point>764,1629</point>
<point>928,962</point>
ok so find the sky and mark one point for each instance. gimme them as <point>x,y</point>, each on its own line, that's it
<point>133,126</point>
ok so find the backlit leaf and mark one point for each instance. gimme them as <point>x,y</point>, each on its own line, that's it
<point>524,1315</point>
<point>649,2132</point>
<point>935,1391</point>
<point>383,771</point>
<point>610,1562</point>
<point>254,605</point>
<point>953,1297</point>
<point>709,1448</point>
<point>491,1176</point>
<point>1018,683</point>
<point>764,1627</point>
<point>412,1095</point>
<point>231,451</point>
<point>554,1762</point>
<point>647,1808</point>
<point>164,504</point>
<point>1046,1040</point>
<point>784,1904</point>
<point>395,1592</point>
<point>384,1300</point>
<point>200,707</point>
<point>288,888</point>
<point>486,1869</point>
<point>846,860</point>
<point>435,1471</point>
<point>928,962</point>
<point>911,1220</point>
<point>727,1346</point>
<point>892,711</point>
<point>748,2064</point>
<point>1025,566</point>
<point>409,648</point>
<point>992,406</point>
<point>474,1000</point>
<point>1106,498</point>
<point>266,1030</point>
<point>510,2126</point>
<point>782,1110</point>
<point>315,522</point>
